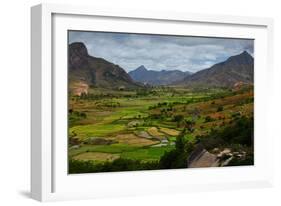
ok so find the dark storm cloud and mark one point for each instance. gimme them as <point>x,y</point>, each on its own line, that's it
<point>160,52</point>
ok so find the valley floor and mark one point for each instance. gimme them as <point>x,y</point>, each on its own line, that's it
<point>142,126</point>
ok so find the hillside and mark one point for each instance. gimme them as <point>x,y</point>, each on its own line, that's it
<point>152,77</point>
<point>235,69</point>
<point>86,71</point>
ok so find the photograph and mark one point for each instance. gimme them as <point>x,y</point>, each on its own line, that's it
<point>158,101</point>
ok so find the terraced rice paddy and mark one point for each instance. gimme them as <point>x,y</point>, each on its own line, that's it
<point>145,127</point>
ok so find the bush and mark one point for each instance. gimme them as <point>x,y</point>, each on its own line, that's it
<point>220,108</point>
<point>178,118</point>
<point>208,119</point>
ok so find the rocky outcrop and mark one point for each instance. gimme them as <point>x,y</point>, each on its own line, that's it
<point>86,71</point>
<point>200,157</point>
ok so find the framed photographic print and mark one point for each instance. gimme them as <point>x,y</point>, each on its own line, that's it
<point>135,102</point>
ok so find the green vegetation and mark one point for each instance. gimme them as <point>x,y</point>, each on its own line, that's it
<point>239,131</point>
<point>77,166</point>
<point>156,128</point>
<point>75,116</point>
<point>177,158</point>
<point>146,154</point>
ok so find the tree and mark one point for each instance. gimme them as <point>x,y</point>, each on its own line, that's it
<point>176,158</point>
<point>178,118</point>
<point>189,125</point>
<point>180,141</point>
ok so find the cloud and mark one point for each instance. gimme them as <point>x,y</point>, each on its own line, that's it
<point>159,52</point>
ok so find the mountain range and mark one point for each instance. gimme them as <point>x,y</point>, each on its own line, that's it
<point>238,68</point>
<point>87,71</point>
<point>152,77</point>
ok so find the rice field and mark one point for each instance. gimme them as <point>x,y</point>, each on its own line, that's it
<point>145,127</point>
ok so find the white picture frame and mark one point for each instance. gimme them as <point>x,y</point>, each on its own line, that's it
<point>49,178</point>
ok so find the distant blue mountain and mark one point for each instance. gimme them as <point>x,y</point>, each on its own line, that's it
<point>152,77</point>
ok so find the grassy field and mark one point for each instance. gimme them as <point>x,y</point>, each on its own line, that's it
<point>106,125</point>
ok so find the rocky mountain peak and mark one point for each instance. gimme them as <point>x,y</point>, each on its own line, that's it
<point>238,68</point>
<point>242,58</point>
<point>78,48</point>
<point>92,71</point>
<point>141,68</point>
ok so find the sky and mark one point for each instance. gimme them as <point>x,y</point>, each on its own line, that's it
<point>160,52</point>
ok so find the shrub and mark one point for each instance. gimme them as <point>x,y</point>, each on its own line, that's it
<point>208,119</point>
<point>178,118</point>
<point>220,108</point>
